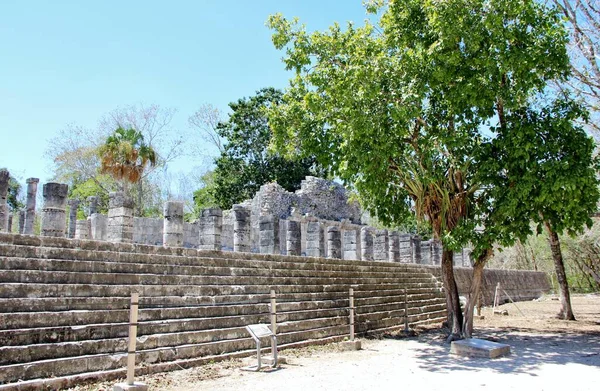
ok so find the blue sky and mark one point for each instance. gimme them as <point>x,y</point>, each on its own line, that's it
<point>67,62</point>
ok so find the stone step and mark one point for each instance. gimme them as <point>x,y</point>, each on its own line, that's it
<point>22,290</point>
<point>25,304</point>
<point>60,277</point>
<point>194,257</point>
<point>16,263</point>
<point>38,352</point>
<point>106,361</point>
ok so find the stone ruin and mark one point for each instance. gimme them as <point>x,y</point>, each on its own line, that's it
<point>318,220</point>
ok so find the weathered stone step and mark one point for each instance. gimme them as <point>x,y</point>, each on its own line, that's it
<point>15,290</point>
<point>195,257</point>
<point>98,362</point>
<point>15,263</point>
<point>59,277</point>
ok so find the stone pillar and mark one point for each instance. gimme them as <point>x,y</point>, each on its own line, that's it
<point>93,202</point>
<point>4,182</point>
<point>366,244</point>
<point>467,257</point>
<point>380,245</point>
<point>268,235</point>
<point>241,229</point>
<point>21,221</point>
<point>73,206</point>
<point>394,243</point>
<point>82,229</point>
<point>416,249</point>
<point>98,227</point>
<point>120,217</point>
<point>426,252</point>
<point>436,252</point>
<point>315,239</point>
<point>211,226</point>
<point>457,258</point>
<point>334,242</point>
<point>405,247</point>
<point>349,245</point>
<point>10,222</point>
<point>54,211</point>
<point>293,238</point>
<point>173,224</point>
<point>32,184</point>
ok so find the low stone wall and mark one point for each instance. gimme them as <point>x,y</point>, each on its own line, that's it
<point>521,285</point>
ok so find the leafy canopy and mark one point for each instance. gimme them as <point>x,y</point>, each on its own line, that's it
<point>245,163</point>
<point>400,109</point>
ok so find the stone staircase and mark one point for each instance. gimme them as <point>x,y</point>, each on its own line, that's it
<point>64,305</point>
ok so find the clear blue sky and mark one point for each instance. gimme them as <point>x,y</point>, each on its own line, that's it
<point>73,61</point>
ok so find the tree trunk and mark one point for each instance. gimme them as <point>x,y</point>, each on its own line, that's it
<point>566,311</point>
<point>473,295</point>
<point>452,301</point>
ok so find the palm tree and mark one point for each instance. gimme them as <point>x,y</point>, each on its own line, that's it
<point>124,156</point>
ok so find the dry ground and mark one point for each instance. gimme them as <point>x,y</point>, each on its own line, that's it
<point>547,354</point>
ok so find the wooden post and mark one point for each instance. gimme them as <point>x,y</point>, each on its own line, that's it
<point>405,311</point>
<point>351,314</point>
<point>273,320</point>
<point>496,298</point>
<point>133,318</point>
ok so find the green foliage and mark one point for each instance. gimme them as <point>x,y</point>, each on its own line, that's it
<point>204,196</point>
<point>245,163</point>
<point>400,110</point>
<point>13,198</point>
<point>541,168</point>
<point>88,188</point>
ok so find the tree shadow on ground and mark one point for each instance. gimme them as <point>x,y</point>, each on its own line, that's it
<point>529,351</point>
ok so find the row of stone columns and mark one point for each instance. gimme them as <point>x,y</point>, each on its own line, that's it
<point>378,245</point>
<point>27,216</point>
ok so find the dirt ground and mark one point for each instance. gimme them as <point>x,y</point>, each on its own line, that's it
<point>547,354</point>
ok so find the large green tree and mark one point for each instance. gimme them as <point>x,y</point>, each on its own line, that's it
<point>400,110</point>
<point>245,163</point>
<point>542,169</point>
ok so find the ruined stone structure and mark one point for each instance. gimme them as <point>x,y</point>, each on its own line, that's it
<point>66,300</point>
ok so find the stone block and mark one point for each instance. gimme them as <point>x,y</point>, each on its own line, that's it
<point>136,386</point>
<point>334,243</point>
<point>474,347</point>
<point>350,345</point>
<point>293,238</point>
<point>366,243</point>
<point>349,245</point>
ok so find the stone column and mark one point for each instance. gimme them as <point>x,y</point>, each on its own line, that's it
<point>120,217</point>
<point>4,182</point>
<point>349,245</point>
<point>416,249</point>
<point>467,257</point>
<point>93,202</point>
<point>73,206</point>
<point>457,258</point>
<point>334,242</point>
<point>436,252</point>
<point>426,252</point>
<point>173,224</point>
<point>381,245</point>
<point>21,221</point>
<point>394,246</point>
<point>241,229</point>
<point>98,227</point>
<point>293,238</point>
<point>211,226</point>
<point>10,222</point>
<point>82,229</point>
<point>54,211</point>
<point>405,245</point>
<point>366,244</point>
<point>32,184</point>
<point>268,235</point>
<point>315,239</point>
